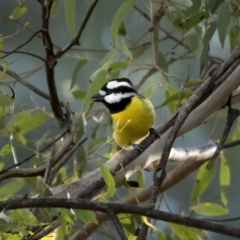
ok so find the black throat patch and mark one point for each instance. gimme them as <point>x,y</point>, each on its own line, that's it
<point>118,107</point>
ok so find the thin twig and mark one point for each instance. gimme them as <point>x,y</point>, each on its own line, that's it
<point>26,53</point>
<point>117,224</point>
<point>44,232</point>
<point>22,45</point>
<point>48,171</point>
<point>75,41</point>
<point>31,156</point>
<point>146,76</point>
<point>152,201</point>
<point>66,157</point>
<point>26,84</point>
<point>30,172</point>
<point>233,114</point>
<point>231,144</point>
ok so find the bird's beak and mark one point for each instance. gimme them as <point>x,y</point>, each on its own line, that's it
<point>97,97</point>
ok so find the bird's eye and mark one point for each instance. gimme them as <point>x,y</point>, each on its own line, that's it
<point>109,91</point>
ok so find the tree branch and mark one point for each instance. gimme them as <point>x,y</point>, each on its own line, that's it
<point>117,224</point>
<point>22,45</point>
<point>26,84</point>
<point>117,208</point>
<point>50,63</point>
<point>31,156</point>
<point>233,114</point>
<point>26,53</point>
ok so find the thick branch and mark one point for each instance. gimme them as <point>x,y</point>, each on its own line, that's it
<point>118,208</point>
<point>50,63</point>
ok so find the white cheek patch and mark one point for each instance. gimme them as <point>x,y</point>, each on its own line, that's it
<point>115,84</point>
<point>102,93</point>
<point>117,97</point>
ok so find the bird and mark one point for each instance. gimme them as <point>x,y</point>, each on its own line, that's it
<point>132,115</point>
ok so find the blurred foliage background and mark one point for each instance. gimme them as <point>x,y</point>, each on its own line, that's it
<point>166,65</point>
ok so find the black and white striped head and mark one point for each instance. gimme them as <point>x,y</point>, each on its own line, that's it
<point>116,94</point>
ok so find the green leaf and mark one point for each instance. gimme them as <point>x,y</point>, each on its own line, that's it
<point>79,95</point>
<point>223,21</point>
<point>162,236</point>
<point>122,30</point>
<point>5,100</point>
<point>80,162</point>
<point>79,128</point>
<point>159,58</point>
<point>94,142</point>
<point>99,78</point>
<point>109,57</point>
<point>234,37</point>
<point>136,53</point>
<point>45,190</point>
<point>18,12</point>
<point>6,149</point>
<point>54,8</point>
<point>124,49</point>
<point>171,91</point>
<point>25,121</point>
<point>203,179</point>
<point>148,91</point>
<point>65,216</point>
<point>161,62</point>
<point>1,45</point>
<point>140,178</point>
<point>224,180</point>
<point>115,73</point>
<point>1,165</point>
<point>196,5</point>
<point>11,236</point>
<point>206,39</point>
<point>77,68</point>
<point>118,65</point>
<point>193,42</point>
<point>191,21</point>
<point>213,5</point>
<point>127,222</point>
<point>209,209</point>
<point>118,18</point>
<point>16,221</point>
<point>183,232</point>
<point>109,180</point>
<point>46,213</point>
<point>3,225</point>
<point>29,218</point>
<point>85,216</point>
<point>193,82</point>
<point>69,7</point>
<point>5,66</point>
<point>10,188</point>
<point>177,98</point>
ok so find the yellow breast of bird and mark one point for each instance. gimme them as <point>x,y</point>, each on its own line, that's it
<point>133,123</point>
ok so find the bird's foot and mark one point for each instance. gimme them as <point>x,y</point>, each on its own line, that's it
<point>155,131</point>
<point>138,147</point>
